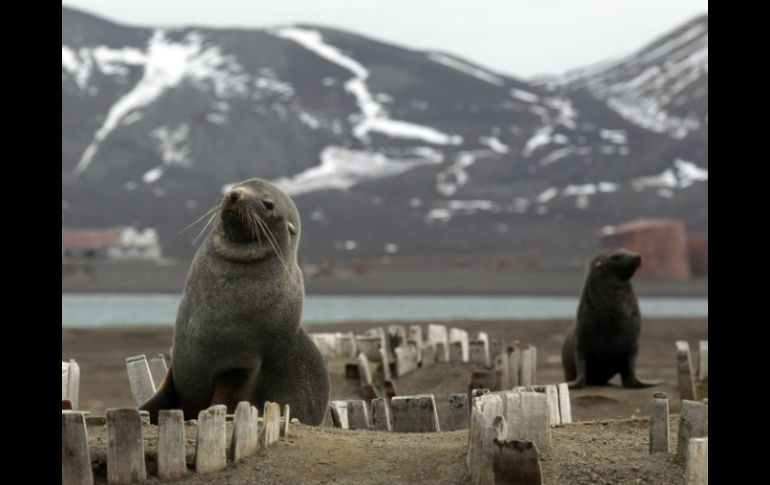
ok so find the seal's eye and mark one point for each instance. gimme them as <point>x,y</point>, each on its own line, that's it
<point>268,204</point>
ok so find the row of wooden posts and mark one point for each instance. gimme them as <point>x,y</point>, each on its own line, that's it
<point>143,378</point>
<point>509,430</point>
<point>418,413</point>
<point>400,351</point>
<point>125,441</point>
<point>692,440</point>
<point>406,350</point>
<point>511,369</point>
<point>506,428</point>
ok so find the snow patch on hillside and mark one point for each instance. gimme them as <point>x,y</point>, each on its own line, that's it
<point>373,117</point>
<point>342,168</point>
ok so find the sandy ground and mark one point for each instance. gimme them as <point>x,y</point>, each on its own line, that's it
<point>607,445</point>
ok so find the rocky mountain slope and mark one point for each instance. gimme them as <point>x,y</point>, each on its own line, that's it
<point>386,150</point>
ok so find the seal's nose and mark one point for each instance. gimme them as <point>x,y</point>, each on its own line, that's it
<point>234,195</point>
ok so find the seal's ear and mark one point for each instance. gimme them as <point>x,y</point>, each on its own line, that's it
<point>292,229</point>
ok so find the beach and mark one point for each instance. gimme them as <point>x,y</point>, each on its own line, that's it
<point>607,444</point>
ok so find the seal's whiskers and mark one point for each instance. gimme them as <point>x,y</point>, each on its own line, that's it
<point>208,223</point>
<point>199,219</point>
<point>271,239</point>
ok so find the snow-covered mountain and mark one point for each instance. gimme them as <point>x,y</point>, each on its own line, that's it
<point>662,88</point>
<point>385,149</point>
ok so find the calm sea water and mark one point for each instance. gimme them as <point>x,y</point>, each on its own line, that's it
<point>103,310</point>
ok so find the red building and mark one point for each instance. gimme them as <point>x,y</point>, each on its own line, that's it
<point>698,247</point>
<point>662,243</point>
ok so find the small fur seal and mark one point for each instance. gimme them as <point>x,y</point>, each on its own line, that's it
<point>237,335</point>
<point>605,339</point>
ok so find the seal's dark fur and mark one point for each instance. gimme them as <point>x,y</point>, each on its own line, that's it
<point>237,335</point>
<point>605,339</point>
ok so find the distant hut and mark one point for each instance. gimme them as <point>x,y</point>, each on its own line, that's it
<point>95,244</point>
<point>662,243</point>
<point>113,243</point>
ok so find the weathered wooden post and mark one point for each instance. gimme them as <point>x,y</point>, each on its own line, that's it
<point>286,419</point>
<point>415,337</point>
<point>363,369</point>
<point>385,364</point>
<point>565,408</point>
<point>358,413</point>
<point>479,352</point>
<point>140,379</point>
<point>277,422</point>
<point>505,366</point>
<point>346,345</point>
<point>381,415</point>
<point>158,369</point>
<point>414,414</point>
<point>697,468</point>
<point>525,367</point>
<point>244,442</point>
<point>125,448</point>
<point>534,424</point>
<point>255,427</point>
<point>659,428</point>
<point>478,460</point>
<point>437,334</point>
<point>455,352</point>
<point>211,453</point>
<point>460,335</point>
<point>71,382</point>
<point>496,347</point>
<point>693,423</point>
<point>172,464</point>
<point>514,361</point>
<point>339,413</point>
<point>684,370</point>
<point>65,379</point>
<point>703,360</point>
<point>406,360</point>
<point>75,460</point>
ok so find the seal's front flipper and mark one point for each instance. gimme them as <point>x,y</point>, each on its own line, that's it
<point>165,397</point>
<point>629,379</point>
<point>635,383</point>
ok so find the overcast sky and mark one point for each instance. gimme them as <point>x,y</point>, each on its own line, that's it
<point>517,37</point>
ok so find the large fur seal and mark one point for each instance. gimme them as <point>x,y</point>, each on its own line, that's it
<point>605,339</point>
<point>237,335</point>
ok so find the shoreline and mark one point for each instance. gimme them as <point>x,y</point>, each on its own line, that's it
<point>358,324</point>
<point>401,281</point>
